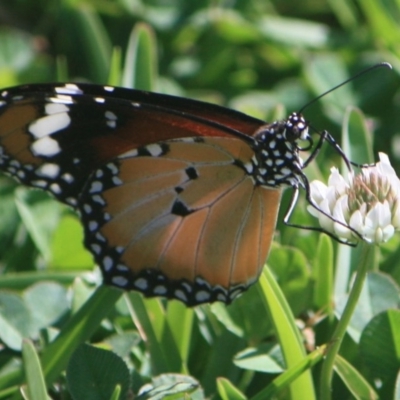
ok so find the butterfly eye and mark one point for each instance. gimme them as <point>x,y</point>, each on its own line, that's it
<point>178,198</point>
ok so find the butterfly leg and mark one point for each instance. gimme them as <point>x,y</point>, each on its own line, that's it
<point>326,136</point>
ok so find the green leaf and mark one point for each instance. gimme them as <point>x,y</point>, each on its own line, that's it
<point>242,317</point>
<point>266,357</point>
<point>323,276</point>
<point>22,280</point>
<point>325,71</point>
<point>291,271</point>
<point>33,372</point>
<point>43,311</point>
<point>114,77</point>
<point>16,317</point>
<point>78,329</point>
<point>94,374</point>
<point>354,381</point>
<point>228,391</point>
<point>62,69</point>
<point>16,53</point>
<point>9,335</point>
<point>383,20</point>
<point>288,334</point>
<point>234,28</point>
<point>149,316</point>
<point>284,379</point>
<point>294,31</point>
<point>356,138</point>
<point>396,395</point>
<point>67,249</point>
<point>122,343</point>
<point>140,67</point>
<point>379,293</point>
<point>116,395</point>
<point>90,38</point>
<point>40,214</point>
<point>180,319</point>
<point>171,387</point>
<point>380,345</point>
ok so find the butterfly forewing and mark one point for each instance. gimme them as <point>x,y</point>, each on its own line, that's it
<point>192,226</point>
<point>54,136</point>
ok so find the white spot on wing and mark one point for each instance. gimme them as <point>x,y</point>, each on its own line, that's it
<point>87,208</point>
<point>48,170</point>
<point>100,237</point>
<point>61,99</point>
<point>96,187</point>
<point>141,283</point>
<point>95,248</point>
<point>119,281</point>
<point>179,294</point>
<point>107,263</point>
<point>202,296</point>
<point>110,115</point>
<point>116,181</point>
<point>52,108</point>
<point>68,88</point>
<point>72,201</point>
<point>40,183</point>
<point>130,153</point>
<point>46,146</point>
<point>67,177</point>
<point>93,225</point>
<point>55,188</point>
<point>221,297</point>
<point>50,124</point>
<point>98,199</point>
<point>248,167</point>
<point>154,149</point>
<point>113,168</point>
<point>15,163</point>
<point>160,290</point>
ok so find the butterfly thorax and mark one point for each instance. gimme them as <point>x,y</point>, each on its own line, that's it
<point>276,159</point>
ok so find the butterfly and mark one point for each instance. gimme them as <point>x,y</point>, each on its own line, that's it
<point>177,197</point>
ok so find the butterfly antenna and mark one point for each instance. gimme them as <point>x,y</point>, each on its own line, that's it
<point>369,69</point>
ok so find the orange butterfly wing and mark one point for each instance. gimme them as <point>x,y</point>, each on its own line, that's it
<point>177,197</point>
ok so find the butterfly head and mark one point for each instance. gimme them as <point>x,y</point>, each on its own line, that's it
<point>296,128</point>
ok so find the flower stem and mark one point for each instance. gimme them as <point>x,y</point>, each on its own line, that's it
<point>338,335</point>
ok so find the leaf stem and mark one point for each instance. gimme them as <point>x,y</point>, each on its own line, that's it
<point>340,331</point>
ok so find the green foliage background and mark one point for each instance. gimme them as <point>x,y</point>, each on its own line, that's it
<point>263,58</point>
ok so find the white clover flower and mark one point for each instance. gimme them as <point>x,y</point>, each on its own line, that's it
<point>369,203</point>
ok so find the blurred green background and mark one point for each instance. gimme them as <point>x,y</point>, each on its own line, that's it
<point>266,58</point>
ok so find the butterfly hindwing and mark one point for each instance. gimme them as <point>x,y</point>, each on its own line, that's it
<point>181,218</point>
